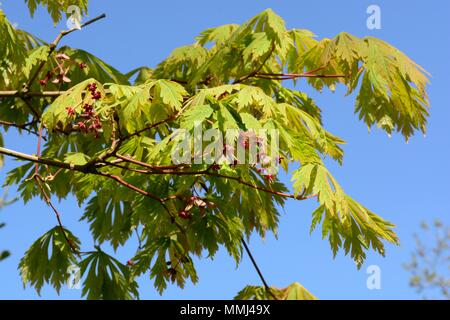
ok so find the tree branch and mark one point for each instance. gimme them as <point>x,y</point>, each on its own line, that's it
<point>90,168</point>
<point>19,93</point>
<point>172,170</point>
<point>20,126</point>
<point>281,194</point>
<point>290,76</point>
<point>50,162</point>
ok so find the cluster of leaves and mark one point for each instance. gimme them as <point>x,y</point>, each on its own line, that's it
<point>57,8</point>
<point>429,266</point>
<point>16,47</point>
<point>295,291</point>
<point>230,78</point>
<point>48,259</point>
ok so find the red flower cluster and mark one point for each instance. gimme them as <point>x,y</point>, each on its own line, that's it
<point>88,121</point>
<point>91,121</point>
<point>96,95</point>
<point>70,111</point>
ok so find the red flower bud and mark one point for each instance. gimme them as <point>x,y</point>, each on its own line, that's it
<point>96,95</point>
<point>92,87</point>
<point>88,107</point>
<point>70,111</point>
<point>184,215</point>
<point>82,126</point>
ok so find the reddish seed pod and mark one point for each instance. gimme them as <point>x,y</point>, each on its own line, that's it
<point>184,215</point>
<point>88,108</point>
<point>62,56</point>
<point>82,65</point>
<point>96,95</point>
<point>92,87</point>
<point>42,82</point>
<point>97,125</point>
<point>82,126</point>
<point>70,111</point>
<point>130,262</point>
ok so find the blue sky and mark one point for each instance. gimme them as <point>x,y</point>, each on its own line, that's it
<point>405,183</point>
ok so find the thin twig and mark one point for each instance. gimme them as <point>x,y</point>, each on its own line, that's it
<point>147,194</point>
<point>130,186</point>
<point>146,165</point>
<point>266,286</point>
<point>21,126</point>
<point>254,72</point>
<point>35,113</point>
<point>57,214</point>
<point>47,198</point>
<point>290,76</point>
<point>281,194</point>
<point>156,124</point>
<point>38,152</point>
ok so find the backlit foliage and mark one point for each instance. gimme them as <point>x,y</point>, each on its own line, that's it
<point>108,144</point>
